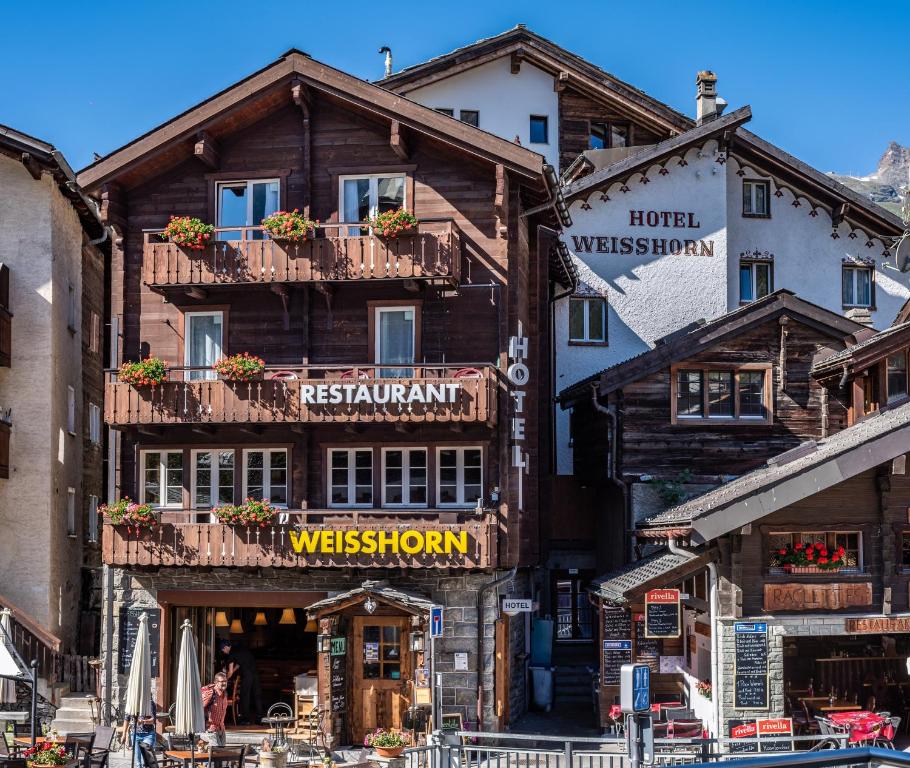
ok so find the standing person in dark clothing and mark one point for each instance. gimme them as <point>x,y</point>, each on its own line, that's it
<point>240,661</point>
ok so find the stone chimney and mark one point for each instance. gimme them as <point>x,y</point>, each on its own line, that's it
<point>705,96</point>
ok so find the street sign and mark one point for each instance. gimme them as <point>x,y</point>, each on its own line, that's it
<point>516,605</point>
<point>436,621</point>
<point>635,688</point>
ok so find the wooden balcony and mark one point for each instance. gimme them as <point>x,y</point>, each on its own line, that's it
<point>212,545</point>
<point>466,394</point>
<point>433,253</point>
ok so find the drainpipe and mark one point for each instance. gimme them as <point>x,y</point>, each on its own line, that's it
<point>480,596</point>
<point>610,411</point>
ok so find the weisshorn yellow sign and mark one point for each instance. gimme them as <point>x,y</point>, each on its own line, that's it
<point>367,542</point>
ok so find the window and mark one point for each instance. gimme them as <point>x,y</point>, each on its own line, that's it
<point>213,479</point>
<point>574,620</point>
<point>459,476</point>
<point>830,541</point>
<point>70,511</point>
<point>162,478</point>
<point>245,204</point>
<point>905,551</point>
<point>362,197</point>
<point>395,339</point>
<point>71,410</point>
<point>351,477</point>
<point>404,477</point>
<point>71,308</point>
<point>897,376</point>
<point>539,129</point>
<point>470,116</point>
<point>266,475</point>
<point>603,135</point>
<point>446,111</point>
<point>721,393</point>
<point>857,286</point>
<point>202,344</point>
<point>95,333</point>
<point>381,652</point>
<point>93,519</point>
<point>756,198</point>
<point>587,320</point>
<point>756,279</point>
<point>94,423</point>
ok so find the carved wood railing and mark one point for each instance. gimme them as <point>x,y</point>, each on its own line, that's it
<point>431,253</point>
<point>454,394</point>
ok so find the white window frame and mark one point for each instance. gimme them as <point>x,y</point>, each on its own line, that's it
<point>377,325</point>
<point>752,264</point>
<point>853,269</point>
<point>162,477</point>
<point>213,480</point>
<point>249,200</point>
<point>201,375</point>
<point>94,423</point>
<point>266,473</point>
<point>406,477</point>
<point>374,193</point>
<point>860,563</point>
<point>461,503</point>
<point>71,409</point>
<point>93,519</point>
<point>752,184</point>
<point>95,340</point>
<point>587,301</point>
<point>352,484</point>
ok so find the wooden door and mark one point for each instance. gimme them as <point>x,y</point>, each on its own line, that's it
<point>381,676</point>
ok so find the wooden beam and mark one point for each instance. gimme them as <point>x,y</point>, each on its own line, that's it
<point>302,98</point>
<point>839,213</point>
<point>397,141</point>
<point>197,293</point>
<point>561,81</point>
<point>32,166</point>
<point>501,200</point>
<point>515,62</point>
<point>206,149</point>
<point>113,206</point>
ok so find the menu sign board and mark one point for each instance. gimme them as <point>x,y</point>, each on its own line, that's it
<point>772,733</point>
<point>616,653</point>
<point>750,682</point>
<point>617,623</point>
<point>662,613</point>
<point>129,629</point>
<point>338,671</point>
<point>647,649</point>
<point>743,729</point>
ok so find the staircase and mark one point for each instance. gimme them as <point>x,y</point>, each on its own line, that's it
<point>75,714</point>
<point>573,685</point>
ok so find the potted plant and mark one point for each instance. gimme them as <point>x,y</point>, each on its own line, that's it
<point>704,688</point>
<point>240,367</point>
<point>46,753</point>
<point>253,513</point>
<point>188,232</point>
<point>273,755</point>
<point>129,513</point>
<point>810,558</point>
<point>229,514</point>
<point>289,225</point>
<point>394,223</point>
<point>387,743</point>
<point>149,372</point>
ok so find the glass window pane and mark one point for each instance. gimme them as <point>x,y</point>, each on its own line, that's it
<point>232,209</point>
<point>596,324</point>
<point>897,376</point>
<point>265,200</point>
<point>278,458</point>
<point>393,458</point>
<point>396,341</point>
<point>689,393</point>
<point>747,197</point>
<point>720,393</point>
<point>470,116</point>
<point>761,199</point>
<point>254,459</point>
<point>390,193</point>
<point>364,459</point>
<point>339,459</point>
<point>751,394</point>
<point>577,319</point>
<point>762,280</point>
<point>847,287</point>
<point>619,135</point>
<point>203,347</point>
<point>538,129</point>
<point>745,283</point>
<point>863,287</point>
<point>356,202</point>
<point>597,138</point>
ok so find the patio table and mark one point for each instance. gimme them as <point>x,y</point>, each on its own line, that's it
<point>863,725</point>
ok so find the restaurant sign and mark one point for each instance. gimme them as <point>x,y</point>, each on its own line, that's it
<point>378,542</point>
<point>874,626</point>
<point>817,597</point>
<point>355,393</point>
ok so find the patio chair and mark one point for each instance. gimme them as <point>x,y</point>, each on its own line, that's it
<point>678,713</point>
<point>685,729</point>
<point>661,730</point>
<point>151,760</point>
<point>79,744</point>
<point>104,736</point>
<point>233,756</point>
<point>884,737</point>
<point>177,742</point>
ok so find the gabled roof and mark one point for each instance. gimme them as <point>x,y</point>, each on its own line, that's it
<point>270,86</point>
<point>656,570</point>
<point>546,55</point>
<point>382,590</point>
<point>792,476</point>
<point>693,339</point>
<point>858,356</point>
<point>783,167</point>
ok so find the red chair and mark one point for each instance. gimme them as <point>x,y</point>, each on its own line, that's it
<point>283,376</point>
<point>359,373</point>
<point>467,373</point>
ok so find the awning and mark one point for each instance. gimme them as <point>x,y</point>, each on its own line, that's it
<point>661,569</point>
<point>382,591</point>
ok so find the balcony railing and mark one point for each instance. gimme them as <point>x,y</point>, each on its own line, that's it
<point>432,253</point>
<point>333,394</point>
<point>406,543</point>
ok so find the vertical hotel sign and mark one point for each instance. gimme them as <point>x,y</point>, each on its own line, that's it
<point>519,375</point>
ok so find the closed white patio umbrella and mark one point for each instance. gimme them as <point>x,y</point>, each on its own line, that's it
<point>139,686</point>
<point>8,665</point>
<point>189,719</point>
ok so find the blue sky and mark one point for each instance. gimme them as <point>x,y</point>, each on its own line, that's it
<point>828,81</point>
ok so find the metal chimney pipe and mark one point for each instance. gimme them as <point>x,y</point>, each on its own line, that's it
<point>388,59</point>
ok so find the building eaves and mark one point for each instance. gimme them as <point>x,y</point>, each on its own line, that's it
<point>792,476</point>
<point>628,582</point>
<point>878,344</point>
<point>380,589</point>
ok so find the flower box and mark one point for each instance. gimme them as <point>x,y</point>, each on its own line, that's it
<point>390,224</point>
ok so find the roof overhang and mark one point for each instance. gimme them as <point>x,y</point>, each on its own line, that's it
<point>630,583</point>
<point>408,602</point>
<point>863,355</point>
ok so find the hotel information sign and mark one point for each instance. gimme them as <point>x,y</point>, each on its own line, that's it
<point>750,679</point>
<point>662,613</point>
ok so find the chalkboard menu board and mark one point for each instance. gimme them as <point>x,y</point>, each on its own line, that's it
<point>750,684</point>
<point>774,734</point>
<point>617,623</point>
<point>338,671</point>
<point>616,653</point>
<point>743,729</point>
<point>129,628</point>
<point>662,613</point>
<point>647,649</point>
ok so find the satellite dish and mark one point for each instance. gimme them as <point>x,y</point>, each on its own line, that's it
<point>902,254</point>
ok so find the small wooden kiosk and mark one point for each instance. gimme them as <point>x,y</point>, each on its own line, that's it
<point>373,670</point>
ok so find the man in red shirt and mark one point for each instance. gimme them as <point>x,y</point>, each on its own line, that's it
<point>215,704</point>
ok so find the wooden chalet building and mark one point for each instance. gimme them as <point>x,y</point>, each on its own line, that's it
<point>381,427</point>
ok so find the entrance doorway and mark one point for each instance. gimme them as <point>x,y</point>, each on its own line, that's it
<point>573,611</point>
